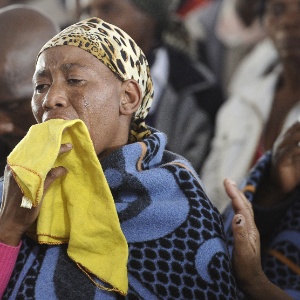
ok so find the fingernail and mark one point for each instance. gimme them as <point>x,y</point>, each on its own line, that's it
<point>238,220</point>
<point>232,181</point>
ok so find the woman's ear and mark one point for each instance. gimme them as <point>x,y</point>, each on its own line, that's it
<point>131,97</point>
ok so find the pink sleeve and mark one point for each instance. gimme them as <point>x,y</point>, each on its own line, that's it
<point>8,257</point>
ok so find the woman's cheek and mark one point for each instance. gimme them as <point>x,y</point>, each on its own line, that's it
<point>36,111</point>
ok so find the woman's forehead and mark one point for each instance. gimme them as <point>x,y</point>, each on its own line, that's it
<point>68,55</point>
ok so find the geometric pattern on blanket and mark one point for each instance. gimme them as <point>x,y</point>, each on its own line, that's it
<point>175,235</point>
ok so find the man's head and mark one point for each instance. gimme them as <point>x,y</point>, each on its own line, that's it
<point>23,31</point>
<point>143,20</point>
<point>95,72</point>
<point>282,22</point>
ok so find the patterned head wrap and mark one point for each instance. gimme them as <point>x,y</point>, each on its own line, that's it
<point>117,50</point>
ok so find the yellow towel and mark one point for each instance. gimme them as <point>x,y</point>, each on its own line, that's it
<point>79,208</point>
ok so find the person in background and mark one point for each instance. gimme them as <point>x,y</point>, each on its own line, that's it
<point>272,188</point>
<point>23,31</point>
<point>187,97</point>
<point>264,105</point>
<point>226,31</point>
<point>98,209</point>
<point>55,8</point>
<point>185,7</point>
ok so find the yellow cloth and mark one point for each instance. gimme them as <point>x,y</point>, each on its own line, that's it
<point>79,208</point>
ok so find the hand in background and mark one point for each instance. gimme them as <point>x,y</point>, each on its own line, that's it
<point>246,253</point>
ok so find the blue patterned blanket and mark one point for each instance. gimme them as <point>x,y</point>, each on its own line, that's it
<point>176,240</point>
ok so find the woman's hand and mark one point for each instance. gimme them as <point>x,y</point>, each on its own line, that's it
<point>15,220</point>
<point>246,252</point>
<point>246,256</point>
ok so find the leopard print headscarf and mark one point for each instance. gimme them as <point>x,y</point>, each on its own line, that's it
<point>117,50</point>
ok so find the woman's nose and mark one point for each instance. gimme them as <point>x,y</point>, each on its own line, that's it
<point>55,97</point>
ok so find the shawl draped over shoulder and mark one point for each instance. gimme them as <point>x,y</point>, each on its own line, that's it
<point>175,236</point>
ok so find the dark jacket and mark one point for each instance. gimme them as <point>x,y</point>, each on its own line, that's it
<point>187,107</point>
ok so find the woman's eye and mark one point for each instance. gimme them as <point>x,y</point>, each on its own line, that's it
<point>74,81</point>
<point>40,88</point>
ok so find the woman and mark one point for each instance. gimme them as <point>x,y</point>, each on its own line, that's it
<point>92,86</point>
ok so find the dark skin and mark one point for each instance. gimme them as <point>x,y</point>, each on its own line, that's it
<point>16,116</point>
<point>127,16</point>
<point>282,22</point>
<point>284,176</point>
<point>69,83</point>
<point>247,10</point>
<point>246,256</point>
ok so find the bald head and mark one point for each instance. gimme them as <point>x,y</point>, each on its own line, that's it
<point>23,31</point>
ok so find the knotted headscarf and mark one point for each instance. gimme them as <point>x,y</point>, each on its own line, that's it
<point>118,51</point>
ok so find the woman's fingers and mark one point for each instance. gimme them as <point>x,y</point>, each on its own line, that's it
<point>240,233</point>
<point>65,148</point>
<point>54,174</point>
<point>244,229</point>
<point>57,172</point>
<point>246,253</point>
<point>239,202</point>
<point>243,222</point>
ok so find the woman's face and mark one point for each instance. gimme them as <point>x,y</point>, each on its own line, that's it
<point>282,20</point>
<point>69,83</point>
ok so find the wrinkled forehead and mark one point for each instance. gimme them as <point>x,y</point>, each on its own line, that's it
<point>107,43</point>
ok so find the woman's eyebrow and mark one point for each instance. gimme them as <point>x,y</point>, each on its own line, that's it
<point>64,67</point>
<point>69,66</point>
<point>39,73</point>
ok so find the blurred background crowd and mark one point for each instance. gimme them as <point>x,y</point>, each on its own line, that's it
<point>225,75</point>
<point>194,48</point>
